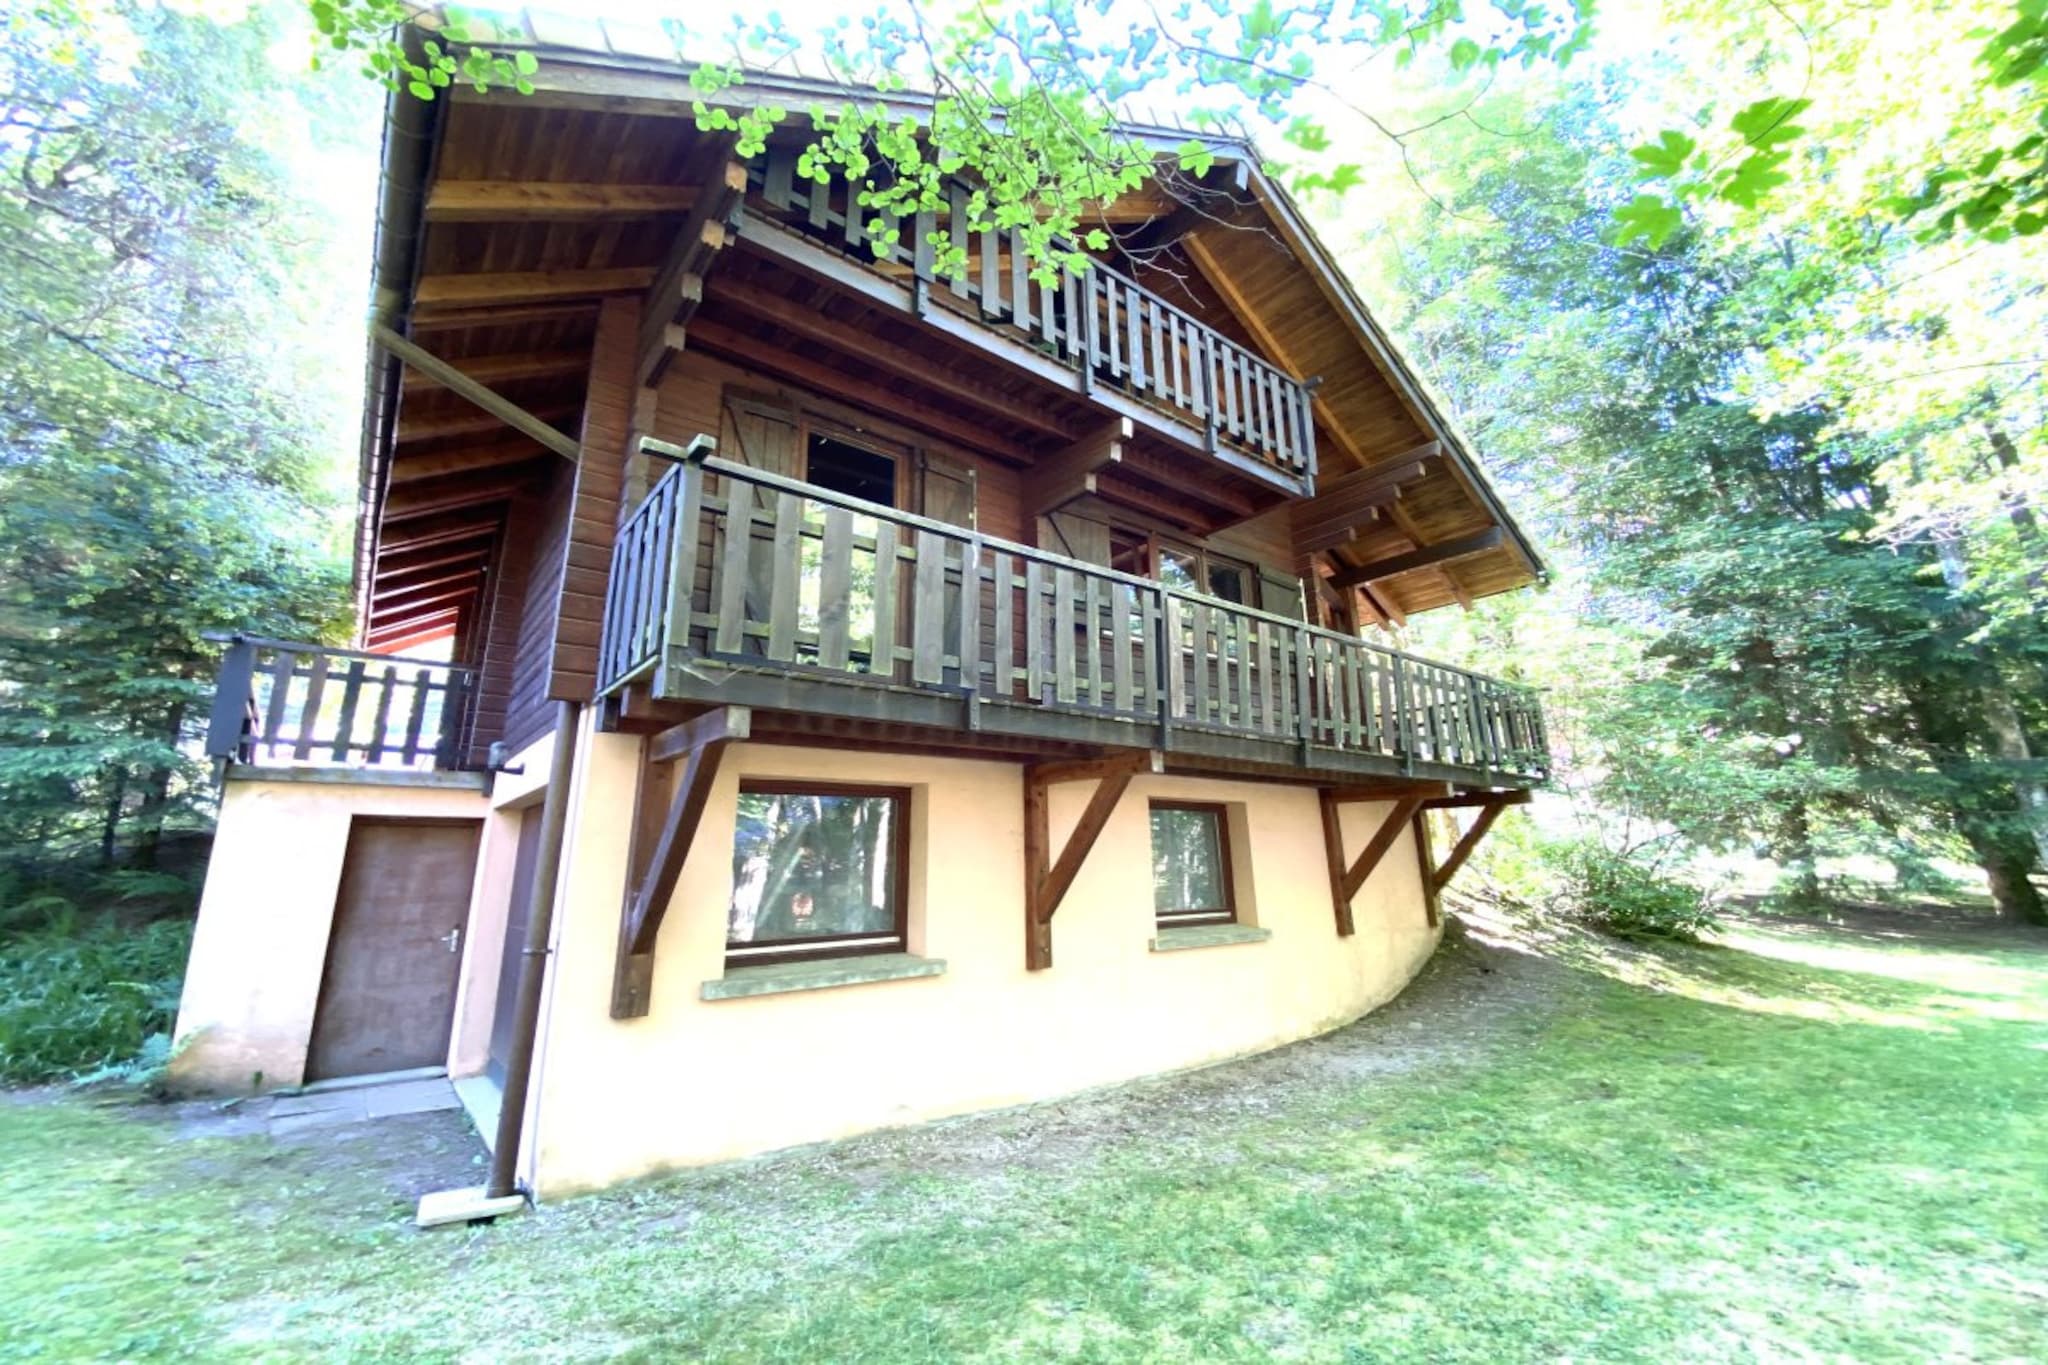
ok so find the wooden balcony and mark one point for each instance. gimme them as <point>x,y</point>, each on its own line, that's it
<point>733,586</point>
<point>281,704</point>
<point>1112,339</point>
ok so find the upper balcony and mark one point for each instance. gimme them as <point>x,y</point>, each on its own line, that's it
<point>1098,332</point>
<point>852,620</point>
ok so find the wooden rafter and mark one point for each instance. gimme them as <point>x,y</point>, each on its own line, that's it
<point>1047,878</point>
<point>508,369</point>
<point>1350,500</point>
<point>439,464</point>
<point>699,745</point>
<point>504,288</point>
<point>812,325</point>
<point>749,350</point>
<point>445,530</point>
<point>492,402</point>
<point>428,319</point>
<point>408,501</point>
<point>1347,879</point>
<point>531,201</point>
<point>678,287</point>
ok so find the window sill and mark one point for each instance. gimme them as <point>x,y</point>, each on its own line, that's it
<point>1208,936</point>
<point>783,978</point>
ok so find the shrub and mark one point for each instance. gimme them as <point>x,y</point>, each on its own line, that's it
<point>1621,895</point>
<point>99,998</point>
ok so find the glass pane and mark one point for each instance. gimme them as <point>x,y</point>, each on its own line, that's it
<point>812,865</point>
<point>1177,570</point>
<point>1187,860</point>
<point>1227,582</point>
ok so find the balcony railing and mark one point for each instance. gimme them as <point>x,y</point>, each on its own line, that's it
<point>1100,323</point>
<point>281,704</point>
<point>726,570</point>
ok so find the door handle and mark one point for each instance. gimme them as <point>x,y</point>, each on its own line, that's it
<point>453,938</point>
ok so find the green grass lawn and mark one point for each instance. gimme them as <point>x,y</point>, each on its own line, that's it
<point>1810,1142</point>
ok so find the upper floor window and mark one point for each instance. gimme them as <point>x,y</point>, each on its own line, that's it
<point>1191,881</point>
<point>1180,565</point>
<point>818,870</point>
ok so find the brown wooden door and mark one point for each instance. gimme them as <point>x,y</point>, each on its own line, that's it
<point>387,999</point>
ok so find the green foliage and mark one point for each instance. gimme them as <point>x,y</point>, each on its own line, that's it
<point>96,999</point>
<point>159,476</point>
<point>1623,894</point>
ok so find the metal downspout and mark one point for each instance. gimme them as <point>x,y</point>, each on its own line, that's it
<point>533,960</point>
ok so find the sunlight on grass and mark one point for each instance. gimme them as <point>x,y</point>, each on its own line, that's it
<point>1590,1155</point>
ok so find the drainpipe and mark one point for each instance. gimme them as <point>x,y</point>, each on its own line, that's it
<point>533,962</point>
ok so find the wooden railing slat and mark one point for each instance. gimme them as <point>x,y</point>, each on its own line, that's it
<point>835,589</point>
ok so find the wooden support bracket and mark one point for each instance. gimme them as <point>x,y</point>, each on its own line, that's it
<point>1490,806</point>
<point>700,745</point>
<point>1347,880</point>
<point>1046,878</point>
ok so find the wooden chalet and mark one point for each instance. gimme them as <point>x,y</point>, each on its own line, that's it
<point>751,617</point>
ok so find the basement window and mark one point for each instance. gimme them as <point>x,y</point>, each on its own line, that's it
<point>1191,879</point>
<point>818,870</point>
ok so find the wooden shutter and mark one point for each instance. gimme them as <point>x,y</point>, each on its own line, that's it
<point>1280,593</point>
<point>1075,536</point>
<point>761,436</point>
<point>946,489</point>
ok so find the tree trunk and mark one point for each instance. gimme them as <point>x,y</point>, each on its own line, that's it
<point>2006,862</point>
<point>156,798</point>
<point>1795,853</point>
<point>110,818</point>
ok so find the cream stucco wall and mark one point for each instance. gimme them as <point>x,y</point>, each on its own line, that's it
<point>698,1081</point>
<point>260,945</point>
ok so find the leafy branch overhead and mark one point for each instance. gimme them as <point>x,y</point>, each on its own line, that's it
<point>1993,192</point>
<point>1031,98</point>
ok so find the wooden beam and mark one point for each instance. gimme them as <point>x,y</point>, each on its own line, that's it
<point>1046,878</point>
<point>456,426</point>
<point>1353,499</point>
<point>428,598</point>
<point>678,286</point>
<point>1333,851</point>
<point>440,464</point>
<point>748,351</point>
<point>529,201</point>
<point>440,531</point>
<point>528,286</point>
<point>1225,284</point>
<point>506,369</point>
<point>467,490</point>
<point>1428,556</point>
<point>384,637</point>
<point>700,744</point>
<point>1462,850</point>
<point>1424,862</point>
<point>426,319</point>
<point>401,565</point>
<point>389,588</point>
<point>504,409</point>
<point>424,635</point>
<point>865,346</point>
<point>1519,797</point>
<point>1383,839</point>
<point>1053,482</point>
<point>1426,792</point>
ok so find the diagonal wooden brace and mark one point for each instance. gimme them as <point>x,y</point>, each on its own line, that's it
<point>699,744</point>
<point>1347,881</point>
<point>1046,879</point>
<point>1489,811</point>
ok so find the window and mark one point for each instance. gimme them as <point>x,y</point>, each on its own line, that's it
<point>1191,864</point>
<point>818,870</point>
<point>1186,568</point>
<point>854,470</point>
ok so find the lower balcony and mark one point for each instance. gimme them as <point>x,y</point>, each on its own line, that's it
<point>854,622</point>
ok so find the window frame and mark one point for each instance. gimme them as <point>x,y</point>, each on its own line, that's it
<point>895,940</point>
<point>1226,872</point>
